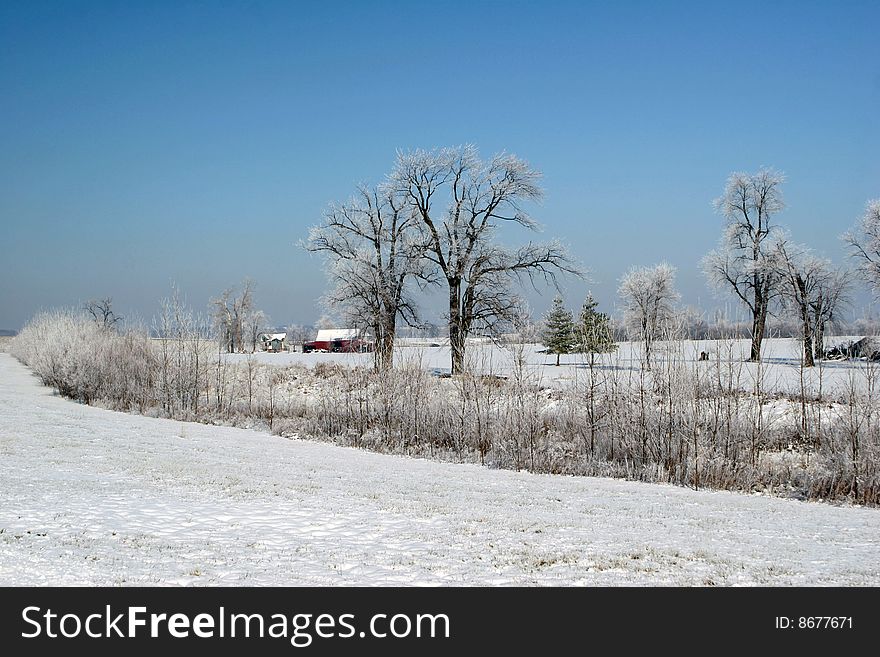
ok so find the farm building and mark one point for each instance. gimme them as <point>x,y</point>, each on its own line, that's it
<point>338,340</point>
<point>273,342</point>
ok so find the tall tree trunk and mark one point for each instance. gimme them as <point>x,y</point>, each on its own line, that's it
<point>456,334</point>
<point>819,337</point>
<point>808,339</point>
<point>805,320</point>
<point>759,324</point>
<point>647,337</point>
<point>384,355</point>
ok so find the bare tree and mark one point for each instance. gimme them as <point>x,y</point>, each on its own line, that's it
<point>256,324</point>
<point>478,197</point>
<point>236,318</point>
<point>297,334</point>
<point>741,262</point>
<point>221,313</point>
<point>101,310</point>
<point>813,291</point>
<point>649,297</point>
<point>864,243</point>
<point>832,296</point>
<point>183,369</point>
<point>374,248</point>
<point>243,309</point>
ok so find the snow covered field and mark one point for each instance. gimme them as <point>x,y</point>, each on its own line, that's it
<point>780,370</point>
<point>89,496</point>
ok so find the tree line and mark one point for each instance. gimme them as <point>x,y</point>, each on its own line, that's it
<point>435,219</point>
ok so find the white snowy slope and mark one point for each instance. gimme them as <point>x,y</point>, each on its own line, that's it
<point>89,496</point>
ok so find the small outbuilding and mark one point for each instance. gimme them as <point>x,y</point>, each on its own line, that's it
<point>274,342</point>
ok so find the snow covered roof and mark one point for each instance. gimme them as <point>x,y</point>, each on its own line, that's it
<point>337,334</point>
<point>274,336</point>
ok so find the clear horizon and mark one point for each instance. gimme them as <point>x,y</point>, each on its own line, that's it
<point>196,143</point>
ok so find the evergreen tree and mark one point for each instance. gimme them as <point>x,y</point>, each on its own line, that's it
<point>594,334</point>
<point>559,334</point>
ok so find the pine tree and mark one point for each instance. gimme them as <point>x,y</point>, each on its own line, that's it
<point>559,335</point>
<point>594,336</point>
<point>594,332</point>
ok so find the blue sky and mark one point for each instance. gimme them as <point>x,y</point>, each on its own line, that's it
<point>196,142</point>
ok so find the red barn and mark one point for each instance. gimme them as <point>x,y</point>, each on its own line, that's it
<point>338,341</point>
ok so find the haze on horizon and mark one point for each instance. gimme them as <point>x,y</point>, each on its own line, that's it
<point>196,143</point>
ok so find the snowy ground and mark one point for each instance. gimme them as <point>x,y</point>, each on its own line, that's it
<point>89,496</point>
<point>780,369</point>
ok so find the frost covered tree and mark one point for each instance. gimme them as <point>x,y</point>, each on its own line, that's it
<point>831,298</point>
<point>742,263</point>
<point>648,297</point>
<point>593,330</point>
<point>374,249</point>
<point>235,316</point>
<point>559,330</point>
<point>222,316</point>
<point>812,291</point>
<point>182,372</point>
<point>864,243</point>
<point>461,202</point>
<point>297,334</point>
<point>257,322</point>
